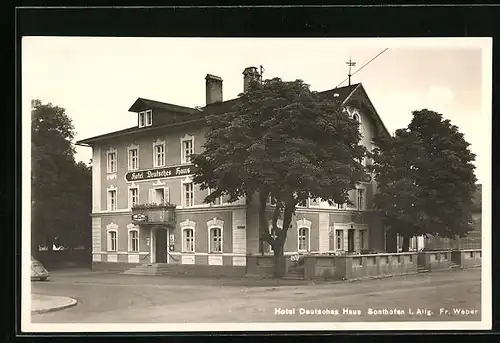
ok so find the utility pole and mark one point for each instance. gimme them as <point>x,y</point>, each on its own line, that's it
<point>350,64</point>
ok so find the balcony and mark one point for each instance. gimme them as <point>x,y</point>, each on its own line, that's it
<point>163,214</point>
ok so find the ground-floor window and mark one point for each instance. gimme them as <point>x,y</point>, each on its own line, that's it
<point>339,240</point>
<point>133,240</point>
<point>112,241</point>
<point>215,240</point>
<point>362,239</point>
<point>188,240</point>
<point>303,239</point>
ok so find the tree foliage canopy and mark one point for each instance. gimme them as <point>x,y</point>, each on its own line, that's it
<point>61,188</point>
<point>284,140</point>
<point>425,178</point>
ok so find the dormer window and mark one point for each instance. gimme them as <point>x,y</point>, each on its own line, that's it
<point>145,118</point>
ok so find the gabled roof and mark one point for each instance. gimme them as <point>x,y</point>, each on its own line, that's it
<point>196,115</point>
<point>343,92</point>
<point>142,104</point>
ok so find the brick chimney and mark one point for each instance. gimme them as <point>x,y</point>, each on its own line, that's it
<point>250,73</point>
<point>213,87</point>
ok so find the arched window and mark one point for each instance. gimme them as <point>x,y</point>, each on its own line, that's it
<point>215,235</point>
<point>133,240</point>
<point>216,239</point>
<point>112,240</point>
<point>303,239</point>
<point>303,234</point>
<point>188,235</point>
<point>188,239</point>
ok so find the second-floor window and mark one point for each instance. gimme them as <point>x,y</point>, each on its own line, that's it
<point>112,161</point>
<point>216,201</point>
<point>145,118</point>
<point>360,198</point>
<point>314,202</point>
<point>188,195</point>
<point>159,154</point>
<point>187,149</point>
<point>134,196</point>
<point>133,159</point>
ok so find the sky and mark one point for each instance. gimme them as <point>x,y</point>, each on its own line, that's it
<point>97,79</point>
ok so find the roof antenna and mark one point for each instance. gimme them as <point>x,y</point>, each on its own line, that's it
<point>350,64</point>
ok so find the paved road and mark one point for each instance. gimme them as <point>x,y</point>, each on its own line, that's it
<point>113,298</point>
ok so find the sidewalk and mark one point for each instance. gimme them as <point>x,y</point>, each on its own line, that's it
<point>48,303</point>
<point>79,272</point>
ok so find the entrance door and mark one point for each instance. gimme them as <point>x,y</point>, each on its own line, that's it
<point>161,241</point>
<point>350,240</point>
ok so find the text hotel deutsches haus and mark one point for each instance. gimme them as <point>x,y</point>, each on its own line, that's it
<point>375,312</point>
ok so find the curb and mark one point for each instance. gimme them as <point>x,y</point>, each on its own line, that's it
<point>72,302</point>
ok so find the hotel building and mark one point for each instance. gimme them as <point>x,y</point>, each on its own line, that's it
<point>149,163</point>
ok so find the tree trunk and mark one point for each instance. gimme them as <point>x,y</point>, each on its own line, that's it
<point>406,243</point>
<point>263,227</point>
<point>279,260</point>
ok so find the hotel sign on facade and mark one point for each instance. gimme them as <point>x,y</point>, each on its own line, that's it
<point>160,173</point>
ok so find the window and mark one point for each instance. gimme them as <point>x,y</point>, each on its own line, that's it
<point>133,241</point>
<point>188,194</point>
<point>303,239</point>
<point>159,195</point>
<point>112,200</point>
<point>360,198</point>
<point>187,148</point>
<point>339,240</point>
<point>145,118</point>
<point>188,240</point>
<point>215,240</point>
<point>133,196</point>
<point>217,201</point>
<point>112,161</point>
<point>133,158</point>
<point>362,239</point>
<point>159,154</point>
<point>112,241</point>
<point>314,202</point>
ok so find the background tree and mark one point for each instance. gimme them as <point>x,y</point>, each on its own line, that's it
<point>425,179</point>
<point>60,188</point>
<point>285,141</point>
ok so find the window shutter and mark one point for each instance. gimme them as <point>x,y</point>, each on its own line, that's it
<point>166,194</point>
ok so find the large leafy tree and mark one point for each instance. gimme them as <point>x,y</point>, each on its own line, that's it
<point>284,141</point>
<point>425,179</point>
<point>60,188</point>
